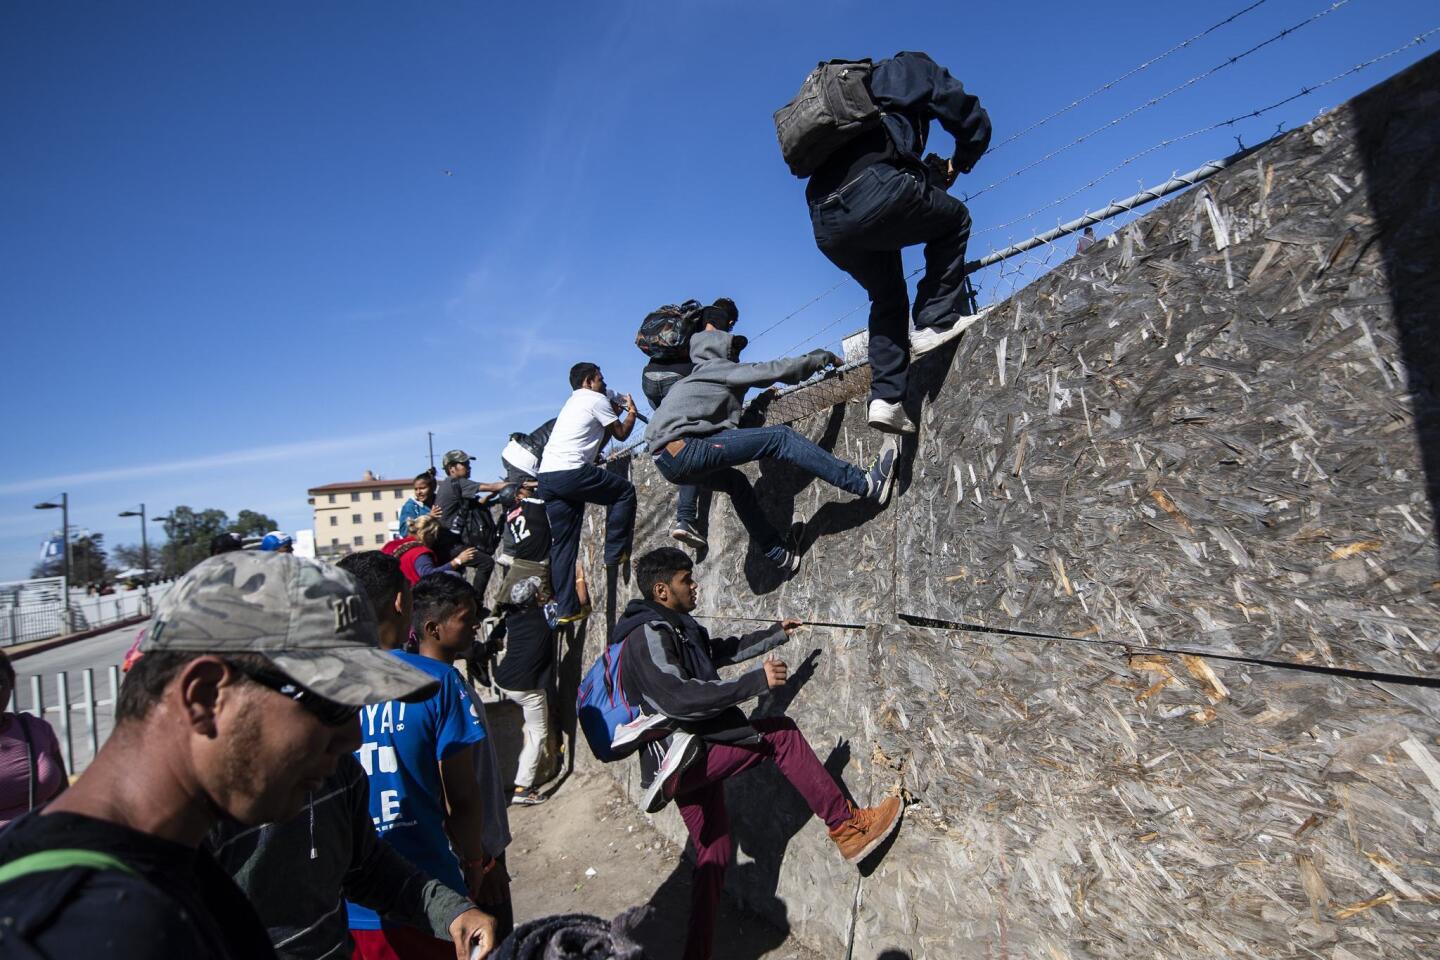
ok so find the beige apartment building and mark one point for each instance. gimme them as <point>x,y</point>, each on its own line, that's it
<point>359,515</point>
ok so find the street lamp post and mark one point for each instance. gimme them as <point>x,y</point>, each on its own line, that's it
<point>144,553</point>
<point>64,507</point>
<point>166,519</point>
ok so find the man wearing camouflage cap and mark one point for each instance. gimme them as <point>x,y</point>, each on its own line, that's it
<point>253,671</point>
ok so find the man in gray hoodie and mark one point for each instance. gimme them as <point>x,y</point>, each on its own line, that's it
<point>696,439</point>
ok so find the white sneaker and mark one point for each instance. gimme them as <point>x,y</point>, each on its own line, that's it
<point>889,417</point>
<point>925,339</point>
<point>682,751</point>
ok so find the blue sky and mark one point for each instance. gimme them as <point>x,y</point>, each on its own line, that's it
<point>234,266</point>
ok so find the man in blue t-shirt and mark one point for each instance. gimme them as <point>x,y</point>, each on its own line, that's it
<point>424,797</point>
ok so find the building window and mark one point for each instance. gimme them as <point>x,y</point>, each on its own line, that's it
<point>334,541</point>
<point>376,494</point>
<point>399,494</point>
<point>332,497</point>
<point>379,538</point>
<point>334,520</point>
<point>359,541</point>
<point>354,498</point>
<point>354,518</point>
<point>379,517</point>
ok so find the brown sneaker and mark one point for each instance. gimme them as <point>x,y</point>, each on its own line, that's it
<point>869,827</point>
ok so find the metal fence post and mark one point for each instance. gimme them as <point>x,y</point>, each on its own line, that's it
<point>87,686</point>
<point>37,697</point>
<point>62,692</point>
<point>114,688</point>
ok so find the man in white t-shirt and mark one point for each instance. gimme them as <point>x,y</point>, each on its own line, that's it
<point>569,479</point>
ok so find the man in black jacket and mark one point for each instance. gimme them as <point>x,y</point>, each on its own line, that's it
<point>874,196</point>
<point>668,669</point>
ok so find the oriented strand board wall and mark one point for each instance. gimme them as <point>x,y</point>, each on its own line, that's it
<point>1218,435</point>
<point>1202,435</point>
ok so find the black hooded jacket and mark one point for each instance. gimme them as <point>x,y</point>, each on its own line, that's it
<point>911,90</point>
<point>668,667</point>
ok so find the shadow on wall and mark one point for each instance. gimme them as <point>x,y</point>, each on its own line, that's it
<point>1399,143</point>
<point>769,813</point>
<point>778,487</point>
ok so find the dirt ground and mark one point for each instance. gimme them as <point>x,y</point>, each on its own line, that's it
<point>589,849</point>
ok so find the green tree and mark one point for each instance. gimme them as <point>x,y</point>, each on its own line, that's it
<point>88,562</point>
<point>187,538</point>
<point>129,556</point>
<point>249,523</point>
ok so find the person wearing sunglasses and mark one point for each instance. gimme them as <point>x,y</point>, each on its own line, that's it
<point>242,703</point>
<point>297,871</point>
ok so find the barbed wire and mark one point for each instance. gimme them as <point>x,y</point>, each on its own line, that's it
<point>1219,124</point>
<point>1009,274</point>
<point>1185,43</point>
<point>1160,99</point>
<point>805,306</point>
<point>833,323</point>
<point>1125,76</point>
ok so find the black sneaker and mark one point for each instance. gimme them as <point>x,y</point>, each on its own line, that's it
<point>527,797</point>
<point>882,475</point>
<point>685,532</point>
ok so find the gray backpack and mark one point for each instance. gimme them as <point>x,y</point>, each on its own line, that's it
<point>831,109</point>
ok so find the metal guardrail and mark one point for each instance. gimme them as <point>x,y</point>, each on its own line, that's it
<point>22,623</point>
<point>94,713</point>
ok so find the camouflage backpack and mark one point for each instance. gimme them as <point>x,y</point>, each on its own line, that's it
<point>665,332</point>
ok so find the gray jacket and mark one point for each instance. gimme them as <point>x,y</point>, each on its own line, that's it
<point>299,873</point>
<point>712,396</point>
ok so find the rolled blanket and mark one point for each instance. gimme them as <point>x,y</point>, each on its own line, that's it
<point>574,936</point>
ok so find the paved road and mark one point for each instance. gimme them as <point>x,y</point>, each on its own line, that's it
<point>98,653</point>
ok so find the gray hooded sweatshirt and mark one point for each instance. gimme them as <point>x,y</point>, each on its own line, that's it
<point>712,396</point>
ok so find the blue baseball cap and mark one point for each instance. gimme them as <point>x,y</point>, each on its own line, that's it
<point>275,539</point>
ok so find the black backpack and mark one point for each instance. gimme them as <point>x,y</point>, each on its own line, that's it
<point>475,525</point>
<point>832,108</point>
<point>665,332</point>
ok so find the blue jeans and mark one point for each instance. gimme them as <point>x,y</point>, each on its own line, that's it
<point>565,493</point>
<point>687,505</point>
<point>710,462</point>
<point>862,228</point>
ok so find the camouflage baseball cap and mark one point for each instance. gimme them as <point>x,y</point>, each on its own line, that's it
<point>310,619</point>
<point>453,457</point>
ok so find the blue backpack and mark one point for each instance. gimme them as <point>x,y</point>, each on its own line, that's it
<point>602,708</point>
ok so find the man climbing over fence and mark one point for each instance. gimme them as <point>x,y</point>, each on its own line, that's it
<point>668,668</point>
<point>569,479</point>
<point>664,337</point>
<point>695,437</point>
<point>871,195</point>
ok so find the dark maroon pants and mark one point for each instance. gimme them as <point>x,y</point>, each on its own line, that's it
<point>701,798</point>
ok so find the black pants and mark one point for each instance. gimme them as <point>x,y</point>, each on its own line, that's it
<point>863,226</point>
